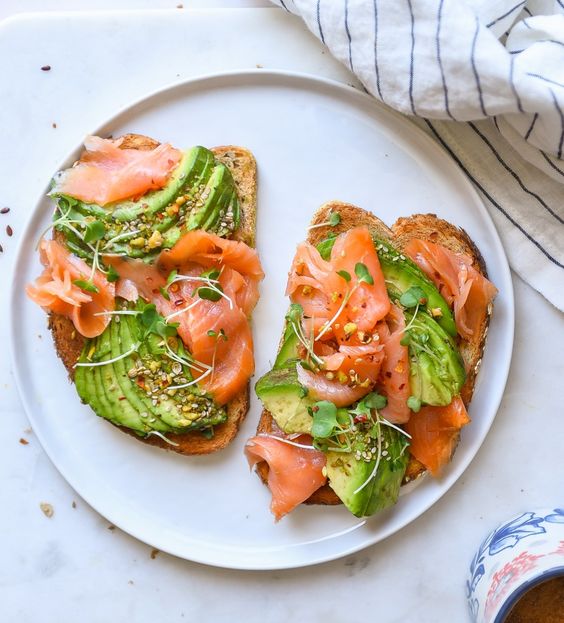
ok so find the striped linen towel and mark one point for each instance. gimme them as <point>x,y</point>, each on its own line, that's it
<point>485,78</point>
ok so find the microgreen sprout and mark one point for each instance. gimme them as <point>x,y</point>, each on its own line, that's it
<point>294,317</point>
<point>88,286</point>
<point>333,220</point>
<point>288,441</point>
<point>94,364</point>
<point>157,434</point>
<point>414,404</point>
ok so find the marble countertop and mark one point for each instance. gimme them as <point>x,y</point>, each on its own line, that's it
<point>74,565</point>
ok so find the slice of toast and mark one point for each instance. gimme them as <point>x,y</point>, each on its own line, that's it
<point>69,343</point>
<point>424,226</point>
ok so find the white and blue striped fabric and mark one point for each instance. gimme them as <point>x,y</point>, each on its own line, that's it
<point>485,78</point>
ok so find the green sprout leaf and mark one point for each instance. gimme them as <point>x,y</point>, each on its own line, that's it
<point>171,277</point>
<point>164,293</point>
<point>361,271</point>
<point>324,419</point>
<point>413,297</point>
<point>212,273</point>
<point>375,401</point>
<point>334,219</point>
<point>414,404</point>
<point>344,274</point>
<point>223,335</point>
<point>209,294</point>
<point>94,231</point>
<point>212,333</point>
<point>86,285</point>
<point>406,339</point>
<point>295,313</point>
<point>112,275</point>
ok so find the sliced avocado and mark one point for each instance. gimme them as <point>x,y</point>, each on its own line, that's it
<point>185,409</point>
<point>200,193</point>
<point>99,386</point>
<point>346,474</point>
<point>208,203</point>
<point>402,273</point>
<point>287,400</point>
<point>289,349</point>
<point>136,397</point>
<point>436,368</point>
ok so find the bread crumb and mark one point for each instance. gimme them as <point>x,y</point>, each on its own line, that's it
<point>154,553</point>
<point>47,509</point>
<point>259,66</point>
<point>130,582</point>
<point>23,441</point>
<point>111,527</point>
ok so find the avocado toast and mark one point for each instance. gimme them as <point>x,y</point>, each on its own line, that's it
<point>377,361</point>
<point>172,269</point>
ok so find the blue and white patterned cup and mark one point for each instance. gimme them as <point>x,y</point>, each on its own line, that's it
<point>516,556</point>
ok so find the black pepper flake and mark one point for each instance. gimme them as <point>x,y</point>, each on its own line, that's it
<point>46,68</point>
<point>4,210</point>
<point>9,230</point>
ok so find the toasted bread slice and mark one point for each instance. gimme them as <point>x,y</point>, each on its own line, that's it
<point>69,343</point>
<point>423,226</point>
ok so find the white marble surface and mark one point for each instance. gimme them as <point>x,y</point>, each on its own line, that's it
<point>73,566</point>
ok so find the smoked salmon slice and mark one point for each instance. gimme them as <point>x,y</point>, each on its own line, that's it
<point>341,314</point>
<point>216,332</point>
<point>462,286</point>
<point>294,472</point>
<point>434,433</point>
<point>105,173</point>
<point>55,290</point>
<point>394,373</point>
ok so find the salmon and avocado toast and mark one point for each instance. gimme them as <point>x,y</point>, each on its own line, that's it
<point>150,278</point>
<point>377,363</point>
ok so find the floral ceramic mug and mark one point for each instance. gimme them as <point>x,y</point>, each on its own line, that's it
<point>517,555</point>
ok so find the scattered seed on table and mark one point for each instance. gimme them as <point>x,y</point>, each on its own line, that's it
<point>1,249</point>
<point>46,68</point>
<point>47,509</point>
<point>4,210</point>
<point>9,230</point>
<point>54,125</point>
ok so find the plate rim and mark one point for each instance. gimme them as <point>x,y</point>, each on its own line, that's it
<point>231,561</point>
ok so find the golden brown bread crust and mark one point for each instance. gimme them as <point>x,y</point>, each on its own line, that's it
<point>69,344</point>
<point>424,226</point>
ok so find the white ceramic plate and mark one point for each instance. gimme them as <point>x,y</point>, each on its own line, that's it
<point>314,140</point>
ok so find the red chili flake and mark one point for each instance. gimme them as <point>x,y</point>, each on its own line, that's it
<point>4,210</point>
<point>422,300</point>
<point>121,398</point>
<point>361,417</point>
<point>179,302</point>
<point>160,216</point>
<point>9,230</point>
<point>46,68</point>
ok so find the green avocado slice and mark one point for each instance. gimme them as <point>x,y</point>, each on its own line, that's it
<point>435,365</point>
<point>346,474</point>
<point>282,395</point>
<point>135,396</point>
